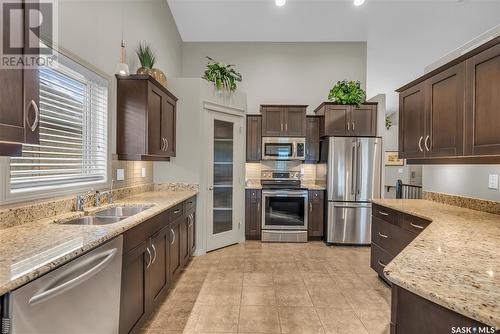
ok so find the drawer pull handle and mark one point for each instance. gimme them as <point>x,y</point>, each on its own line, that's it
<point>381,264</point>
<point>417,226</point>
<point>383,213</point>
<point>383,235</point>
<point>177,211</point>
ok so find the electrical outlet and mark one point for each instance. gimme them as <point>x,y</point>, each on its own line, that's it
<point>120,174</point>
<point>400,170</point>
<point>143,172</point>
<point>493,181</point>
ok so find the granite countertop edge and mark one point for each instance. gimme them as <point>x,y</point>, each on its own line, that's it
<point>411,273</point>
<point>102,233</point>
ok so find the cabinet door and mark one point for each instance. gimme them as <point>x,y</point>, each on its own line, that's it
<point>184,239</point>
<point>445,99</point>
<point>336,120</point>
<point>273,121</point>
<point>316,213</point>
<point>253,213</point>
<point>363,120</point>
<point>134,306</point>
<point>483,101</point>
<point>168,114</point>
<point>156,105</point>
<point>159,271</point>
<point>412,122</point>
<point>175,248</point>
<point>312,138</point>
<point>295,122</point>
<point>254,136</point>
<point>192,234</point>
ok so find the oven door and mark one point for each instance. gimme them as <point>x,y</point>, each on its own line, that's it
<point>274,148</point>
<point>284,209</point>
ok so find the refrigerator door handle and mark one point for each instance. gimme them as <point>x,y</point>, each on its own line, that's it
<point>353,168</point>
<point>359,161</point>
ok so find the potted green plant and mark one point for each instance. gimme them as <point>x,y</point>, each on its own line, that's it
<point>147,58</point>
<point>223,76</point>
<point>347,92</point>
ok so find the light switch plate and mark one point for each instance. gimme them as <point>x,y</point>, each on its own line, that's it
<point>493,181</point>
<point>143,172</point>
<point>400,170</point>
<point>120,174</point>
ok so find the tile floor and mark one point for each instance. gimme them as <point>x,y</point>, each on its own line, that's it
<point>276,288</point>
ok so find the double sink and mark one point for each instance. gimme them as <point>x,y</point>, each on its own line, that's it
<point>109,215</point>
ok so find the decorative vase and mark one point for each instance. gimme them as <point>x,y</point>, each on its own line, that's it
<point>145,71</point>
<point>159,76</point>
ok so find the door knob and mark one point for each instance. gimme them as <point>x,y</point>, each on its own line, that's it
<point>211,188</point>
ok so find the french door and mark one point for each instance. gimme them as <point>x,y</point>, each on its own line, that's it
<point>225,178</point>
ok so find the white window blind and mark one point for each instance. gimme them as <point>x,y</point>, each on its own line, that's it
<point>73,131</point>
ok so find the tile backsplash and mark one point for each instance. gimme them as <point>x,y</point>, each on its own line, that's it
<point>308,171</point>
<point>133,173</point>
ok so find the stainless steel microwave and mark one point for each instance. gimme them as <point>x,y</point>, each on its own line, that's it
<point>283,148</point>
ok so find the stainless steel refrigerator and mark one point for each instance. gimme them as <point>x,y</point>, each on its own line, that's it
<point>353,180</point>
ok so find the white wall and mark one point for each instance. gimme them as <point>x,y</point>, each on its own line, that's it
<point>92,31</point>
<point>282,73</point>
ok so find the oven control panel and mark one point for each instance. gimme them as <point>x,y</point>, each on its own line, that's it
<point>274,175</point>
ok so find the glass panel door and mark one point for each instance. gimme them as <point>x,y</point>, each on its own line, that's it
<point>223,177</point>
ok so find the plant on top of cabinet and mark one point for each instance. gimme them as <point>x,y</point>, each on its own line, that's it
<point>347,92</point>
<point>223,76</point>
<point>147,57</point>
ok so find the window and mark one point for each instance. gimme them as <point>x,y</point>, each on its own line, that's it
<point>73,131</point>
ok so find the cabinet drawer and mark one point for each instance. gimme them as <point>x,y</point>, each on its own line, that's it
<point>175,212</point>
<point>386,214</point>
<point>414,224</point>
<point>189,204</point>
<point>379,258</point>
<point>390,237</point>
<point>316,195</point>
<point>135,236</point>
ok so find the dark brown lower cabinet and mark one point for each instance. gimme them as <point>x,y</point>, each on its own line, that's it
<point>253,214</point>
<point>154,255</point>
<point>316,221</point>
<point>412,314</point>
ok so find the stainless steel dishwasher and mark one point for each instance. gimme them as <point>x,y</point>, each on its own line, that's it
<point>82,296</point>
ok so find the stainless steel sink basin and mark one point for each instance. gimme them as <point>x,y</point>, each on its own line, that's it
<point>94,220</point>
<point>122,211</point>
<point>109,216</point>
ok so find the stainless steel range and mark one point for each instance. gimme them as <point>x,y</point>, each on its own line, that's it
<point>284,203</point>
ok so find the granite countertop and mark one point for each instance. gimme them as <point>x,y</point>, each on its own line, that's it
<point>306,184</point>
<point>454,262</point>
<point>33,249</point>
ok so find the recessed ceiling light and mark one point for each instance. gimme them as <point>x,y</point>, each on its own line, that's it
<point>280,3</point>
<point>358,2</point>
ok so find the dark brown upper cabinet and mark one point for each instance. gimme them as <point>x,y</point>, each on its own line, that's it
<point>146,114</point>
<point>450,115</point>
<point>348,120</point>
<point>254,137</point>
<point>283,120</point>
<point>483,102</point>
<point>19,103</point>
<point>312,138</point>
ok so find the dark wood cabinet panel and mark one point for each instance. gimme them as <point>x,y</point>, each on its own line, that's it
<point>12,106</point>
<point>185,252</point>
<point>316,220</point>
<point>363,120</point>
<point>272,121</point>
<point>159,272</point>
<point>348,120</point>
<point>412,314</point>
<point>483,101</point>
<point>295,121</point>
<point>253,214</point>
<point>146,118</point>
<point>192,234</point>
<point>175,248</point>
<point>254,138</point>
<point>134,306</point>
<point>445,112</point>
<point>312,138</point>
<point>283,120</point>
<point>412,122</point>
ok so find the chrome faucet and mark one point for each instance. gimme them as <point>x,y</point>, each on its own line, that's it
<point>80,200</point>
<point>110,193</point>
